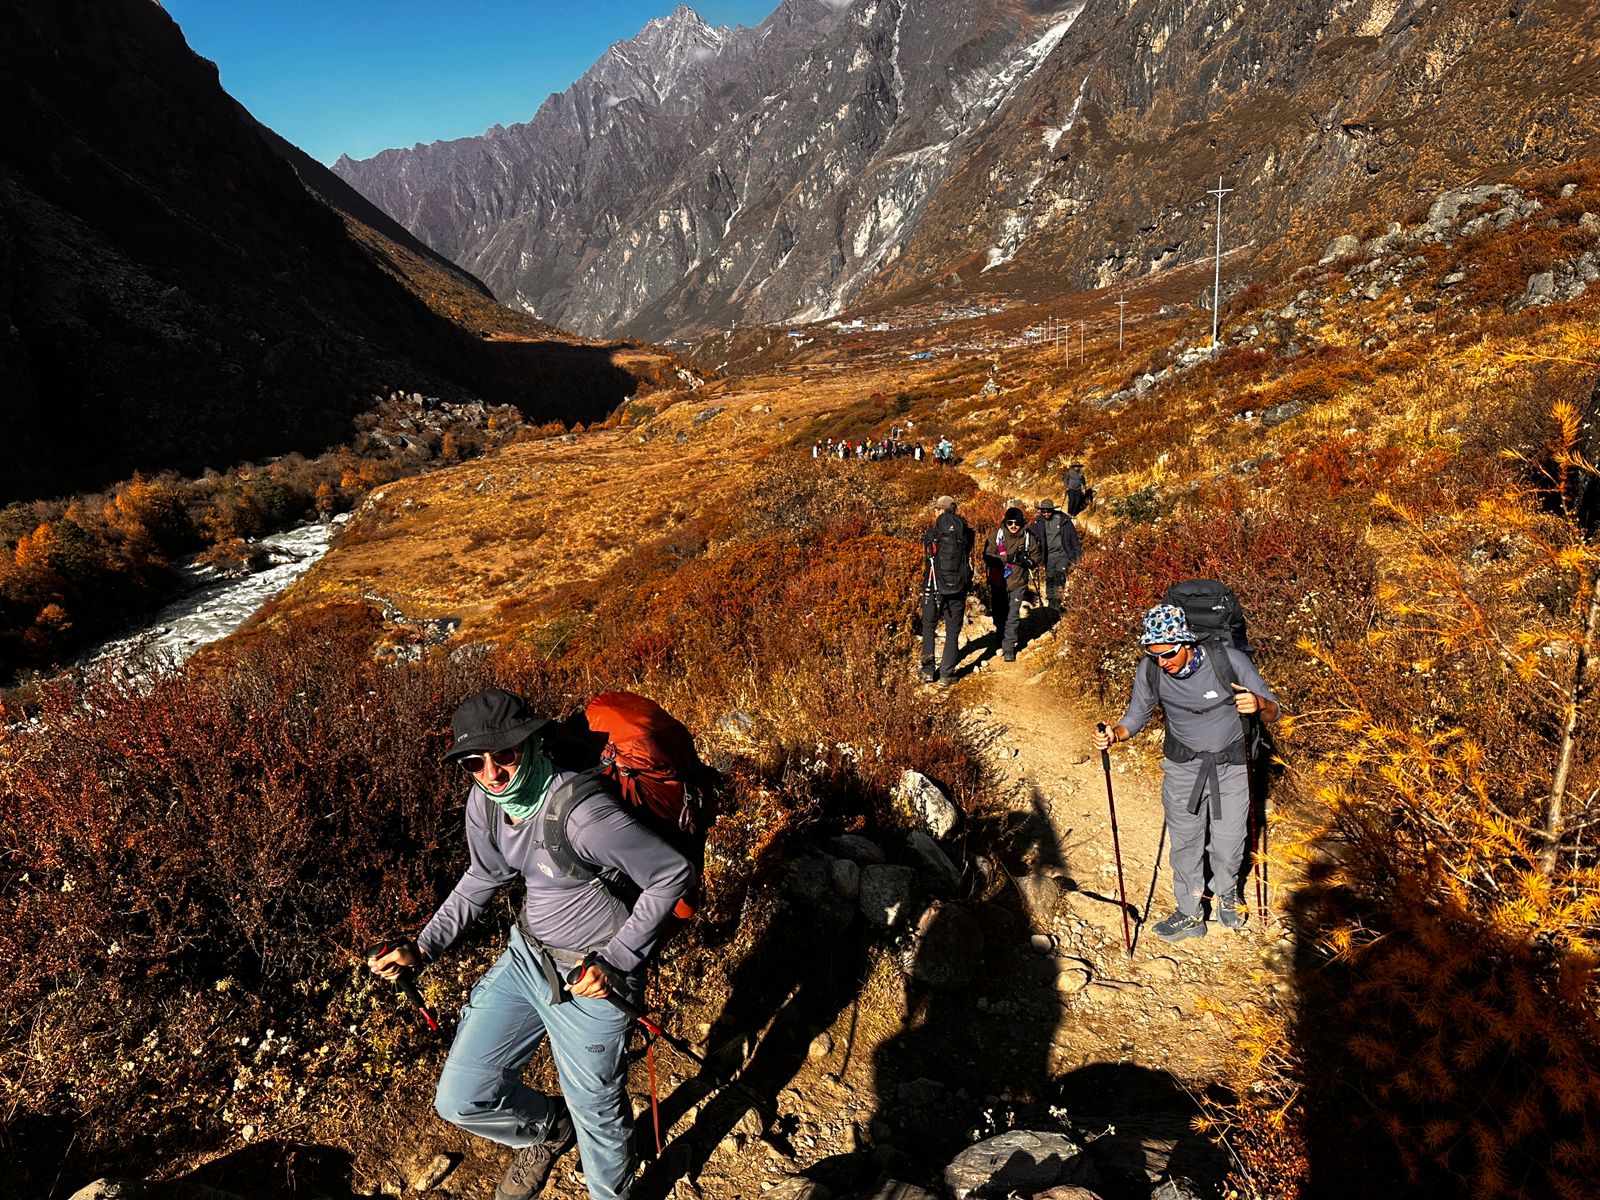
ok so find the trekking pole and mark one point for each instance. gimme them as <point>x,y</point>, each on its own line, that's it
<point>1257,867</point>
<point>407,983</point>
<point>718,1078</point>
<point>1116,844</point>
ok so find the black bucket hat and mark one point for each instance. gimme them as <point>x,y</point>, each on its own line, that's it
<point>490,720</point>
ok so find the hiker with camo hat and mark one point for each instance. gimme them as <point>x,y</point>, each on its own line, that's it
<point>1205,778</point>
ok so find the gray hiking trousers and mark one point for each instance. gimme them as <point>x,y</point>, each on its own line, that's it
<point>1229,820</point>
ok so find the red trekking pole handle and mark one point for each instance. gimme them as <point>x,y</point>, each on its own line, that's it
<point>1116,843</point>
<point>407,983</point>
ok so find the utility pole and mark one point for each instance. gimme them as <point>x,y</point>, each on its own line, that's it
<point>1216,282</point>
<point>1122,308</point>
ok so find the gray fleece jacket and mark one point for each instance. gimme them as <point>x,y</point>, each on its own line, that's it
<point>568,914</point>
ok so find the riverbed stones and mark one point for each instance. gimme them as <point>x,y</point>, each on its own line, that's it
<point>798,1187</point>
<point>893,1189</point>
<point>1021,1160</point>
<point>938,872</point>
<point>810,881</point>
<point>861,850</point>
<point>1040,895</point>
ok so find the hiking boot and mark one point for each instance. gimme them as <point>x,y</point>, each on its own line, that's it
<point>530,1166</point>
<point>928,675</point>
<point>1230,913</point>
<point>1010,656</point>
<point>1179,926</point>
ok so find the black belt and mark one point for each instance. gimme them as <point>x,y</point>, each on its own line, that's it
<point>554,962</point>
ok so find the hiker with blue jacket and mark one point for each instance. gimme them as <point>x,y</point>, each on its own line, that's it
<point>1205,776</point>
<point>528,818</point>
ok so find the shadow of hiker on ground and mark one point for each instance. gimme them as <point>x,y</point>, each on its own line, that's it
<point>796,981</point>
<point>276,1169</point>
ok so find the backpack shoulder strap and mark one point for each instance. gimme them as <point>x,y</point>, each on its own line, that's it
<point>558,806</point>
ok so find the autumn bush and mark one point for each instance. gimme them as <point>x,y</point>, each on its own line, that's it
<point>1447,1026</point>
<point>1298,574</point>
<point>201,856</point>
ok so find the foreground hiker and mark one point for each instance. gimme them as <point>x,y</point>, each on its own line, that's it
<point>1059,548</point>
<point>945,580</point>
<point>1205,778</point>
<point>1008,555</point>
<point>521,1000</point>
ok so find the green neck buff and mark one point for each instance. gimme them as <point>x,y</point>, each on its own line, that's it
<point>525,793</point>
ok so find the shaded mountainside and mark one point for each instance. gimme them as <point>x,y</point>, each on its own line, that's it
<point>842,155</point>
<point>172,294</point>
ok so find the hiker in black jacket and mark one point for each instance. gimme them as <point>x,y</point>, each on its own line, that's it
<point>947,575</point>
<point>1059,548</point>
<point>1008,555</point>
<point>1079,494</point>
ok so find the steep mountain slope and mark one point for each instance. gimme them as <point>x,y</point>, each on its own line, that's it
<point>1323,118</point>
<point>174,296</point>
<point>712,175</point>
<point>888,145</point>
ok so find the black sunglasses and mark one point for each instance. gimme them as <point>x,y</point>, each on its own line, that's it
<point>474,763</point>
<point>1164,655</point>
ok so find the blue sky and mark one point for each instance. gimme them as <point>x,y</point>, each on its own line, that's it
<point>359,76</point>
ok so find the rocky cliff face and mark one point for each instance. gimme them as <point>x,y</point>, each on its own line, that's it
<point>171,295</point>
<point>1326,117</point>
<point>698,176</point>
<point>845,152</point>
<point>179,288</point>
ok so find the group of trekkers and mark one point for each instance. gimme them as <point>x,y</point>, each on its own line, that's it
<point>1197,667</point>
<point>878,449</point>
<point>605,872</point>
<point>1020,557</point>
<point>874,450</point>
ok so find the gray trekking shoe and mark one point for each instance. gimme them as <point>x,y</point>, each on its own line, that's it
<point>530,1166</point>
<point>1179,926</point>
<point>929,675</point>
<point>1230,913</point>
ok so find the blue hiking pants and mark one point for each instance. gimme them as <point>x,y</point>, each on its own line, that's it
<point>506,1017</point>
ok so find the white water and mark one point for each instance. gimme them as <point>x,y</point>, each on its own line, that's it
<point>215,605</point>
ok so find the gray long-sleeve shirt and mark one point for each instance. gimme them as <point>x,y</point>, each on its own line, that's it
<point>568,914</point>
<point>1214,728</point>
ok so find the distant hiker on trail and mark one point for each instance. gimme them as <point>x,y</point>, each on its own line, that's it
<point>946,578</point>
<point>523,998</point>
<point>945,452</point>
<point>1008,555</point>
<point>1059,548</point>
<point>1205,776</point>
<point>1079,494</point>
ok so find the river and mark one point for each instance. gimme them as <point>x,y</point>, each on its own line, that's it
<point>214,605</point>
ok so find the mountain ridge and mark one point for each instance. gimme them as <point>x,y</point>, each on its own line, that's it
<point>1005,148</point>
